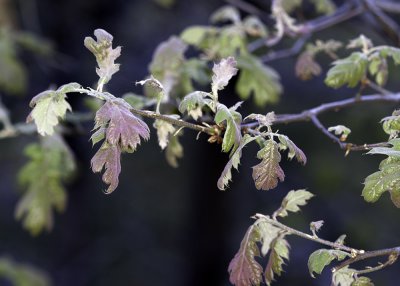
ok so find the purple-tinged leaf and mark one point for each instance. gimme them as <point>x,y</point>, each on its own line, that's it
<point>244,270</point>
<point>268,172</point>
<point>123,128</point>
<point>108,156</point>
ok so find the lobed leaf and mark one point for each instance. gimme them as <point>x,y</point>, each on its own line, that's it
<point>254,27</point>
<point>108,157</point>
<point>306,67</point>
<point>243,269</point>
<point>293,201</point>
<point>341,131</point>
<point>51,165</point>
<point>294,151</point>
<point>320,258</point>
<point>348,71</point>
<point>194,102</point>
<point>104,53</point>
<point>164,131</point>
<point>234,162</point>
<point>225,14</point>
<point>268,172</point>
<point>263,120</point>
<point>223,72</point>
<point>362,281</point>
<point>174,151</point>
<point>257,79</point>
<point>268,234</point>
<point>279,253</point>
<point>50,106</point>
<point>343,277</point>
<point>121,126</point>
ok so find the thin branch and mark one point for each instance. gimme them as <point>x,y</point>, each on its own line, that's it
<point>323,129</point>
<point>387,23</point>
<point>307,236</point>
<point>388,6</point>
<point>281,54</point>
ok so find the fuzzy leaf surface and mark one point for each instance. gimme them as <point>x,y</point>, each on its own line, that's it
<point>164,131</point>
<point>223,72</point>
<point>108,156</point>
<point>234,162</point>
<point>104,53</point>
<point>243,269</point>
<point>267,173</point>
<point>193,103</point>
<point>343,277</point>
<point>50,106</point>
<point>293,201</point>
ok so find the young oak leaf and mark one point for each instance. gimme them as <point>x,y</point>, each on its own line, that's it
<point>194,102</point>
<point>234,162</point>
<point>121,126</point>
<point>164,131</point>
<point>294,151</point>
<point>350,71</point>
<point>362,281</point>
<point>279,253</point>
<point>233,119</point>
<point>320,258</point>
<point>108,156</point>
<point>344,277</point>
<point>104,53</point>
<point>49,106</point>
<point>268,172</point>
<point>174,151</point>
<point>341,131</point>
<point>223,72</point>
<point>293,201</point>
<point>243,269</point>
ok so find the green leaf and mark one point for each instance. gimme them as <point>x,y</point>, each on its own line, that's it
<point>348,71</point>
<point>341,131</point>
<point>195,35</point>
<point>243,269</point>
<point>268,172</point>
<point>254,27</point>
<point>232,135</point>
<point>343,277</point>
<point>257,79</point>
<point>22,275</point>
<point>104,53</point>
<point>388,176</point>
<point>194,102</point>
<point>320,258</point>
<point>324,6</point>
<point>174,151</point>
<point>223,72</point>
<point>51,165</point>
<point>268,234</point>
<point>279,253</point>
<point>387,51</point>
<point>49,106</point>
<point>294,151</point>
<point>293,201</point>
<point>362,281</point>
<point>234,162</point>
<point>391,124</point>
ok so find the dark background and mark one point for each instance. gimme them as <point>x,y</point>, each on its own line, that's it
<point>166,226</point>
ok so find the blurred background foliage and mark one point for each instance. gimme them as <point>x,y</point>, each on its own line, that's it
<point>166,226</point>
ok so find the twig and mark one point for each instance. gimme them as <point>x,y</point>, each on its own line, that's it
<point>388,24</point>
<point>389,6</point>
<point>281,54</point>
<point>307,236</point>
<point>323,129</point>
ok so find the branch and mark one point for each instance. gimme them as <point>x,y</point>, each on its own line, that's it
<point>311,115</point>
<point>389,6</point>
<point>281,54</point>
<point>356,254</point>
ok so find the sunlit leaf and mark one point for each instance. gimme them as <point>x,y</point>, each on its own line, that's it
<point>294,151</point>
<point>104,53</point>
<point>194,102</point>
<point>343,277</point>
<point>362,281</point>
<point>225,14</point>
<point>279,253</point>
<point>232,135</point>
<point>293,201</point>
<point>348,71</point>
<point>50,106</point>
<point>263,120</point>
<point>174,151</point>
<point>223,72</point>
<point>267,174</point>
<point>234,162</point>
<point>320,258</point>
<point>341,131</point>
<point>164,131</point>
